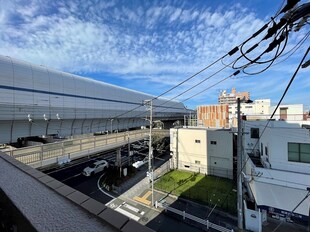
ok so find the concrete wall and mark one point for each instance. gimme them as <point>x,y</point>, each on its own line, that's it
<point>294,112</point>
<point>220,155</point>
<point>212,155</point>
<point>275,141</point>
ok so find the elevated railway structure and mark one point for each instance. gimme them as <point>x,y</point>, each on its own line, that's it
<point>36,101</point>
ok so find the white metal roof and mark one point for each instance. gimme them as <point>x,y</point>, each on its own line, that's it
<point>280,197</point>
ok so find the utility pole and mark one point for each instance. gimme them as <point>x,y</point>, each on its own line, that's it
<point>239,170</point>
<point>149,105</point>
<point>111,124</point>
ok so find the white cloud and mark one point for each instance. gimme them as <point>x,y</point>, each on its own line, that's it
<point>162,43</point>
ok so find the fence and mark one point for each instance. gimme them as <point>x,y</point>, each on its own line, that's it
<point>37,154</point>
<point>185,215</point>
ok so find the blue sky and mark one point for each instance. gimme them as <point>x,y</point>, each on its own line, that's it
<point>150,46</point>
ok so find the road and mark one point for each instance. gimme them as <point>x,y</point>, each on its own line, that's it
<point>158,221</point>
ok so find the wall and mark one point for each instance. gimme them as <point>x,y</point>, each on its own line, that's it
<point>275,140</point>
<point>253,219</point>
<point>294,112</point>
<point>215,159</point>
<point>214,116</point>
<point>220,155</point>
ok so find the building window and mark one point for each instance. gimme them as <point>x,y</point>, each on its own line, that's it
<point>187,166</point>
<point>197,140</point>
<point>197,162</point>
<point>248,107</point>
<point>254,133</point>
<point>299,152</point>
<point>213,142</point>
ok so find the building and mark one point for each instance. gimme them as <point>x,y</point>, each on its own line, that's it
<point>277,168</point>
<point>256,110</point>
<point>203,150</point>
<point>215,116</point>
<point>36,101</point>
<point>225,116</point>
<point>231,98</point>
<point>293,112</point>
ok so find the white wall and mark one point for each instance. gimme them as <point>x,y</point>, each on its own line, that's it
<point>214,159</point>
<point>220,155</point>
<point>276,138</point>
<point>294,112</point>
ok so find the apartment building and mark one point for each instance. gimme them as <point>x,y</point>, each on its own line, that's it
<point>231,98</point>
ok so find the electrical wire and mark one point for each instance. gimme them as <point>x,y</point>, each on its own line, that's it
<point>276,108</point>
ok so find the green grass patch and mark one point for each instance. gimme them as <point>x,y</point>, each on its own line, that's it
<point>209,190</point>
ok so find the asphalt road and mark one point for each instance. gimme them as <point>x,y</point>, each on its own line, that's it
<point>71,173</point>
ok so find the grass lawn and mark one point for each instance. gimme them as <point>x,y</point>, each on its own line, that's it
<point>209,190</point>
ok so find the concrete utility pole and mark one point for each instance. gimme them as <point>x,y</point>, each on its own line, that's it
<point>149,104</point>
<point>111,124</point>
<point>239,169</point>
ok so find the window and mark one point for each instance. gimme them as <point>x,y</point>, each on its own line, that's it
<point>299,152</point>
<point>197,141</point>
<point>187,166</point>
<point>248,107</point>
<point>254,133</point>
<point>213,142</point>
<point>197,162</point>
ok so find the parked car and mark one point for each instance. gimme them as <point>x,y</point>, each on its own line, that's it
<point>96,167</point>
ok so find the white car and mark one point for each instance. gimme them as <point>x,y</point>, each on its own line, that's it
<point>140,163</point>
<point>96,167</point>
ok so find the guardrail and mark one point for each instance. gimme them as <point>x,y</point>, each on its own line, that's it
<point>67,148</point>
<point>185,215</point>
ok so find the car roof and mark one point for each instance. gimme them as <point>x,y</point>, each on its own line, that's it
<point>100,162</point>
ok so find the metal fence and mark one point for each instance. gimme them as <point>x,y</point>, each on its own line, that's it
<point>34,154</point>
<point>185,215</point>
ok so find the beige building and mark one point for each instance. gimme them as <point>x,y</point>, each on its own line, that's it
<point>202,150</point>
<point>231,98</point>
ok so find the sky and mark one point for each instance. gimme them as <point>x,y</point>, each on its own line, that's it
<point>151,46</point>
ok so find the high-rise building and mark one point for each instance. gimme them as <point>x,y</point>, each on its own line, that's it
<point>231,98</point>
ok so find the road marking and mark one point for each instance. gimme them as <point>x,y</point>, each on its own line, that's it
<point>104,192</point>
<point>132,208</point>
<point>144,198</point>
<point>71,177</point>
<point>128,214</point>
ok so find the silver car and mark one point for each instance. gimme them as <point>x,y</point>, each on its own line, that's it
<point>96,167</point>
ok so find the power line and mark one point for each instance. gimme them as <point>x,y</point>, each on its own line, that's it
<point>283,95</point>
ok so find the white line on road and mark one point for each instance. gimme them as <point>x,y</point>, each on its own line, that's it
<point>126,213</point>
<point>71,177</point>
<point>104,192</point>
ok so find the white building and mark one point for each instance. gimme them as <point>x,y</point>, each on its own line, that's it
<point>293,112</point>
<point>203,150</point>
<point>257,110</point>
<point>277,170</point>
